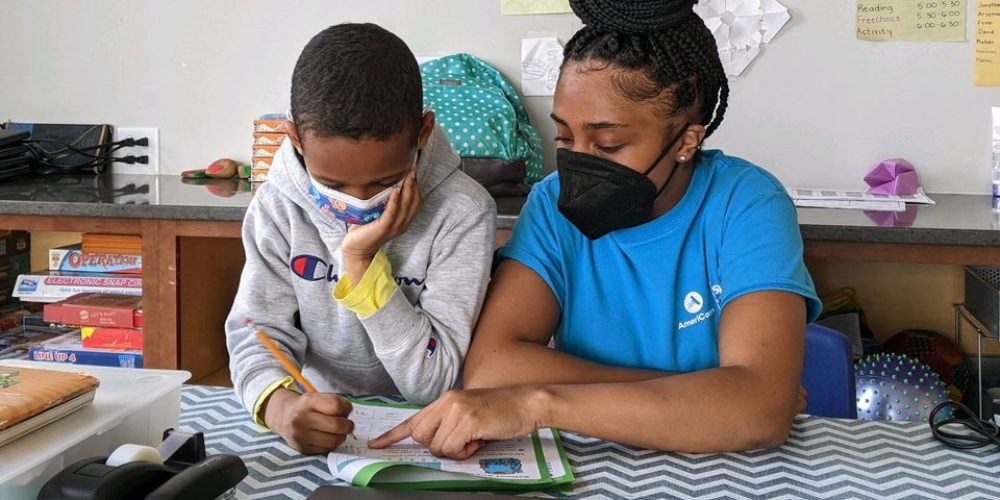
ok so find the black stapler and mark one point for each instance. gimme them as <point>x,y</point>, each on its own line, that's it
<point>187,474</point>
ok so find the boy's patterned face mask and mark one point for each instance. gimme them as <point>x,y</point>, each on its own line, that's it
<point>347,208</point>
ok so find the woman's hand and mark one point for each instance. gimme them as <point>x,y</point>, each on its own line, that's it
<point>460,422</point>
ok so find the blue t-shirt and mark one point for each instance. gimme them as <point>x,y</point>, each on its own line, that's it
<point>651,296</point>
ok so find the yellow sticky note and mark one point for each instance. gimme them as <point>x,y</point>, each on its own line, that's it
<point>911,21</point>
<point>522,7</point>
<point>987,64</point>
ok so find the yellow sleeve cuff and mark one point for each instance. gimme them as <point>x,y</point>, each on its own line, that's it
<point>374,290</point>
<point>258,407</point>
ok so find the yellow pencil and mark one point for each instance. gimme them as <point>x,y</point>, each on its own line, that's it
<point>289,367</point>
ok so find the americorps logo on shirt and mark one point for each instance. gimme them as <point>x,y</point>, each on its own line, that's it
<point>694,303</point>
<point>313,268</point>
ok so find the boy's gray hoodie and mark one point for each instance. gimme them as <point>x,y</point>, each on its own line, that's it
<point>416,343</point>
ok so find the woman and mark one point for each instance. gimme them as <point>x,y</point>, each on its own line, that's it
<point>672,279</point>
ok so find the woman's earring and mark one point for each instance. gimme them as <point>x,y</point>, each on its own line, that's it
<point>682,158</point>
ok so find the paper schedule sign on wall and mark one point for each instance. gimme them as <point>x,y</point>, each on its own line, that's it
<point>523,7</point>
<point>987,64</point>
<point>911,20</point>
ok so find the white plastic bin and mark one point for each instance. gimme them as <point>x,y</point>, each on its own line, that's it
<point>131,406</point>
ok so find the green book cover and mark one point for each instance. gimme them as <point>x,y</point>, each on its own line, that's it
<point>534,462</point>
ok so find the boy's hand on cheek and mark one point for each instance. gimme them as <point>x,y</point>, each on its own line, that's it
<point>312,423</point>
<point>363,242</point>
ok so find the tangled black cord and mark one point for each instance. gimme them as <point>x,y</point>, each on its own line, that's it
<point>975,433</point>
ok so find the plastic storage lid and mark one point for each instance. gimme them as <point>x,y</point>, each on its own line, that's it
<point>123,391</point>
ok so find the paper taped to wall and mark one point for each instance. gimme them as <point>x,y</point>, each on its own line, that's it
<point>741,27</point>
<point>540,61</point>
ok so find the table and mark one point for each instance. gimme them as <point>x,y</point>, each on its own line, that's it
<point>824,458</point>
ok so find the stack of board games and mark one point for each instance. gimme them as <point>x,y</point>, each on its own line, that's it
<point>106,331</point>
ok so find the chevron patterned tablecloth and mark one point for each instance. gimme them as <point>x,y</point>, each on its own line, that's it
<point>824,458</point>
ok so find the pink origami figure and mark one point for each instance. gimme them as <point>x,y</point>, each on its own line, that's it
<point>892,177</point>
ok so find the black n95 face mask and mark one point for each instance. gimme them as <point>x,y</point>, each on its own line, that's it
<point>599,195</point>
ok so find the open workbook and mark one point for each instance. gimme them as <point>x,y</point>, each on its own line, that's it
<point>536,461</point>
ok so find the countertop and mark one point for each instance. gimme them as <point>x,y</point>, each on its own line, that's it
<point>955,219</point>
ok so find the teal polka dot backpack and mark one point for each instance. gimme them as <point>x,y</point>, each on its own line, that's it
<point>481,113</point>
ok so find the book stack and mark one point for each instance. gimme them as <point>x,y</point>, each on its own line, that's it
<point>100,329</point>
<point>103,263</point>
<point>15,260</point>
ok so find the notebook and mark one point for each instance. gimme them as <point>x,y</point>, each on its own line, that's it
<point>533,462</point>
<point>30,398</point>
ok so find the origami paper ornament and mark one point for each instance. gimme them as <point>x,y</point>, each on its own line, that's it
<point>895,176</point>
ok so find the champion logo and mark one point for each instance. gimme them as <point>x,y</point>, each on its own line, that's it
<point>432,346</point>
<point>693,302</point>
<point>313,268</point>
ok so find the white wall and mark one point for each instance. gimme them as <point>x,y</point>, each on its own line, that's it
<point>817,108</point>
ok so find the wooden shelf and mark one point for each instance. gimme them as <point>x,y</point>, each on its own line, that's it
<point>207,255</point>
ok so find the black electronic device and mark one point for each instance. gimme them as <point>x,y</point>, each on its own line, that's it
<point>188,474</point>
<point>68,148</point>
<point>14,153</point>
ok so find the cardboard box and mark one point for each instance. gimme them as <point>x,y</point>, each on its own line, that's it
<point>258,175</point>
<point>261,152</point>
<point>68,348</point>
<point>53,286</point>
<point>73,258</point>
<point>102,337</point>
<point>95,309</point>
<point>269,126</point>
<point>266,139</point>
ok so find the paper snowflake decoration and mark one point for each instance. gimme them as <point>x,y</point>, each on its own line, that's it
<point>741,28</point>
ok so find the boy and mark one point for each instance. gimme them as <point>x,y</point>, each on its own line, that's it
<point>367,251</point>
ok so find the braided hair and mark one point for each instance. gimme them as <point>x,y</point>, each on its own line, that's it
<point>673,53</point>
